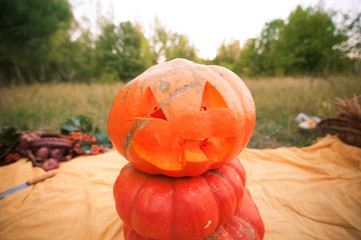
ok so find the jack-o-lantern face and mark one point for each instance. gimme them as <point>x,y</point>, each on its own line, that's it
<point>180,118</point>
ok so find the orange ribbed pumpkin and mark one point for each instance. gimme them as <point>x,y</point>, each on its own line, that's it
<point>246,224</point>
<point>180,118</point>
<point>160,207</point>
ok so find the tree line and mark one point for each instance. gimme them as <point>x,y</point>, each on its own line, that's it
<point>307,43</point>
<point>37,45</point>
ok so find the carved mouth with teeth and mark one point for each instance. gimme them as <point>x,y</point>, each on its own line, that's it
<point>179,127</point>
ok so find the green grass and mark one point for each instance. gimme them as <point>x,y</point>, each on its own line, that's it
<point>278,101</point>
<point>46,106</point>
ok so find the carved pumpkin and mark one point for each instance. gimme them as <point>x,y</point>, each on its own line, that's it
<point>180,118</point>
<point>161,207</point>
<point>246,224</point>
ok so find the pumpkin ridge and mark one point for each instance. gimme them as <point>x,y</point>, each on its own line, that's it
<point>239,195</point>
<point>126,92</point>
<point>215,199</point>
<point>142,84</point>
<point>225,182</point>
<point>133,198</point>
<point>213,194</point>
<point>217,173</point>
<point>164,86</point>
<point>181,90</point>
<point>248,231</point>
<point>129,137</point>
<point>139,122</point>
<point>194,78</point>
<point>239,169</point>
<point>171,233</point>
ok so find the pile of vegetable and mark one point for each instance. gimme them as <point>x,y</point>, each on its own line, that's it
<point>46,150</point>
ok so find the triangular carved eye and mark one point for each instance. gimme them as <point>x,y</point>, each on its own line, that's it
<point>149,107</point>
<point>212,98</point>
<point>158,113</point>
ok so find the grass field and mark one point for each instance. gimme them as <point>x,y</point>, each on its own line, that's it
<point>278,101</point>
<point>46,106</point>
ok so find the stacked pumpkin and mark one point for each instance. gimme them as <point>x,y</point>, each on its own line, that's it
<point>181,126</point>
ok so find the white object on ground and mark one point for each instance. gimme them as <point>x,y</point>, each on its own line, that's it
<point>307,122</point>
<point>304,117</point>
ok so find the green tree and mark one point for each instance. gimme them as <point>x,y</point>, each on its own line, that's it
<point>354,31</point>
<point>249,62</point>
<point>351,25</point>
<point>259,56</point>
<point>228,54</point>
<point>308,44</point>
<point>159,40</point>
<point>146,54</point>
<point>179,47</point>
<point>167,45</point>
<point>118,51</point>
<point>26,28</point>
<point>71,60</point>
<point>268,54</point>
<point>82,53</point>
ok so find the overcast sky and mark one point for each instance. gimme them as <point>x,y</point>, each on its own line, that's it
<point>207,23</point>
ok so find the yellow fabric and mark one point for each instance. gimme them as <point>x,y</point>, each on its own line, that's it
<point>302,193</point>
<point>308,193</point>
